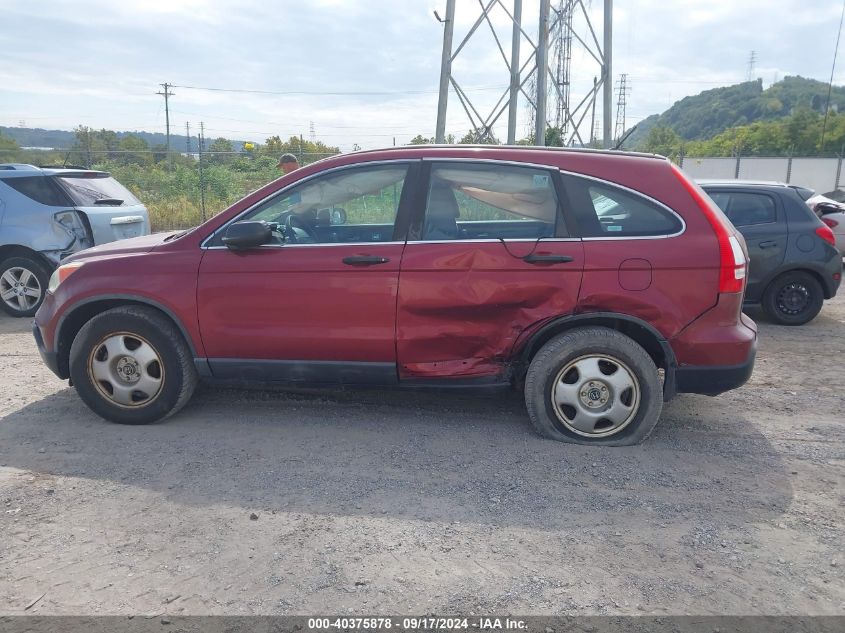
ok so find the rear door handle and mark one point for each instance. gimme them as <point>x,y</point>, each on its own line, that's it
<point>547,259</point>
<point>767,244</point>
<point>365,260</point>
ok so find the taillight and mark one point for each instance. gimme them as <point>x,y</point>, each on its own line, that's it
<point>732,261</point>
<point>830,222</point>
<point>826,234</point>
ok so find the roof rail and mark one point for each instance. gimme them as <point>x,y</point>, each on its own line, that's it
<point>17,167</point>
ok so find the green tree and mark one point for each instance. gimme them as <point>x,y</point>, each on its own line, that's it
<point>133,150</point>
<point>664,141</point>
<point>221,152</point>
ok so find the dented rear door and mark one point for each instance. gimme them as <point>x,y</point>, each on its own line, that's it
<point>488,258</point>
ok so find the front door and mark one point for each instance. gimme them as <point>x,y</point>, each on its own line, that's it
<point>488,258</point>
<point>318,305</point>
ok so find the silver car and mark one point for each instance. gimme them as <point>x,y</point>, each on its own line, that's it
<point>49,213</point>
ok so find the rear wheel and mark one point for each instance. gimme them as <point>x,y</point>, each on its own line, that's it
<point>593,386</point>
<point>131,365</point>
<point>793,299</point>
<point>23,281</point>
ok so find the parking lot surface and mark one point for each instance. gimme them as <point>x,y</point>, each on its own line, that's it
<point>253,502</point>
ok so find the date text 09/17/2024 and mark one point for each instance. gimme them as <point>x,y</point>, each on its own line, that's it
<point>416,623</point>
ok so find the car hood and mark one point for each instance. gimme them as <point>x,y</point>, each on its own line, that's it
<point>133,245</point>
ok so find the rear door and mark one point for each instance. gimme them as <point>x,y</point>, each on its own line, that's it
<point>759,217</point>
<point>488,257</point>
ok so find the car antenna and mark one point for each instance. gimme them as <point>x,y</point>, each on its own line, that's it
<point>624,138</point>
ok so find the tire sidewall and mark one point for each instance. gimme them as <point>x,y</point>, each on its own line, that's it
<point>565,348</point>
<point>36,268</point>
<point>816,299</point>
<point>100,327</point>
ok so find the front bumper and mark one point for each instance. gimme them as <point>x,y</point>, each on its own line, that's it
<point>50,358</point>
<point>713,380</point>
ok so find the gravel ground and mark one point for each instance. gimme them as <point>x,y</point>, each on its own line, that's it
<point>251,502</point>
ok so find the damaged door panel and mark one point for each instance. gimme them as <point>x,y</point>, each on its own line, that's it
<point>462,305</point>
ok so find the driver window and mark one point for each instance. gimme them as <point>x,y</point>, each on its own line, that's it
<point>351,205</point>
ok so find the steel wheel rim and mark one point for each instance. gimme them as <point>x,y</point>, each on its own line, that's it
<point>793,299</point>
<point>20,288</point>
<point>595,395</point>
<point>126,370</point>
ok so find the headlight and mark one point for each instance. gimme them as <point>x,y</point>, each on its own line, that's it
<point>61,273</point>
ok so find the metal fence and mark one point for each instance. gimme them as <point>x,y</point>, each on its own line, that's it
<point>820,174</point>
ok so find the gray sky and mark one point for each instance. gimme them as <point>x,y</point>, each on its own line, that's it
<point>99,62</point>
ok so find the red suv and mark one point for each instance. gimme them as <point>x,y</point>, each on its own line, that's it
<point>602,283</point>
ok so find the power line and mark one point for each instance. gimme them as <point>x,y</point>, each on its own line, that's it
<point>353,93</point>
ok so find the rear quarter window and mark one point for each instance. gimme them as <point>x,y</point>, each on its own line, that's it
<point>40,189</point>
<point>605,210</point>
<point>86,191</point>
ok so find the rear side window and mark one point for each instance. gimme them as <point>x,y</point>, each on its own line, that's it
<point>489,201</point>
<point>101,191</point>
<point>746,209</point>
<point>41,189</point>
<point>607,211</point>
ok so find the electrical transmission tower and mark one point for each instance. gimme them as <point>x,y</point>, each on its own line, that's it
<point>623,91</point>
<point>534,77</point>
<point>752,60</point>
<point>562,52</point>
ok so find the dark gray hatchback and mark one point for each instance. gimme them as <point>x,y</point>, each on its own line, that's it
<point>794,265</point>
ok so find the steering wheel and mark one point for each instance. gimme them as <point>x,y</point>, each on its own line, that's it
<point>293,223</point>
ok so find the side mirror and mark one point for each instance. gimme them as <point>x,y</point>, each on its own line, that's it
<point>244,235</point>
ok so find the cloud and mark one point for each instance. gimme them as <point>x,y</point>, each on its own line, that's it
<point>100,62</point>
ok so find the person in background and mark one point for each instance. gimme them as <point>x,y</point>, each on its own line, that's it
<point>287,163</point>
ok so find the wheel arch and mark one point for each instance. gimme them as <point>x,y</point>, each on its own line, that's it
<point>815,273</point>
<point>16,250</point>
<point>72,321</point>
<point>644,334</point>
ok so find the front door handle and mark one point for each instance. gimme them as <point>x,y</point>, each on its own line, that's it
<point>547,259</point>
<point>364,260</point>
<point>768,244</point>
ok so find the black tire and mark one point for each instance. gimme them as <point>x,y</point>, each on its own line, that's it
<point>9,274</point>
<point>793,298</point>
<point>612,352</point>
<point>173,363</point>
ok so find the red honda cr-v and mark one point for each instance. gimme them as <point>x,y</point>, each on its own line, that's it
<point>602,283</point>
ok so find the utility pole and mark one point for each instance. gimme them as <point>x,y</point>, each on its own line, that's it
<point>514,85</point>
<point>166,94</point>
<point>542,73</point>
<point>201,147</point>
<point>188,138</point>
<point>445,70</point>
<point>608,73</point>
<point>594,133</point>
<point>623,91</point>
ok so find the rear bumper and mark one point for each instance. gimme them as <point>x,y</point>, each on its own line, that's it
<point>50,358</point>
<point>713,380</point>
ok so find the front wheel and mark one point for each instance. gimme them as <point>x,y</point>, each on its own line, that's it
<point>793,299</point>
<point>593,385</point>
<point>131,365</point>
